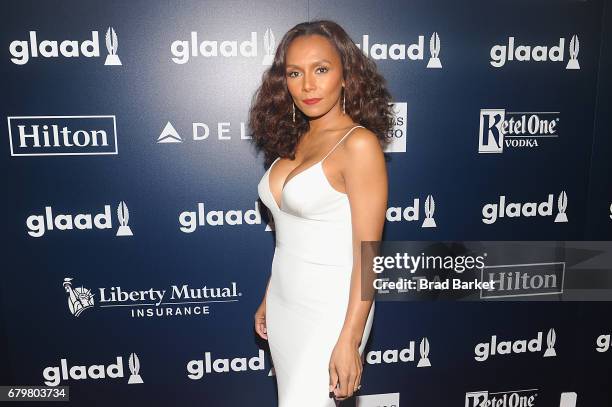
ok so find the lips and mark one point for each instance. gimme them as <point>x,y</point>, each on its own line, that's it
<point>311,101</point>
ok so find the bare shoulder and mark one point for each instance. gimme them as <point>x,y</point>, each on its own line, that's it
<point>363,142</point>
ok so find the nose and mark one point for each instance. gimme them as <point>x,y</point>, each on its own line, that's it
<point>309,82</point>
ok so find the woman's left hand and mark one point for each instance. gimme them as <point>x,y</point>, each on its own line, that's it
<point>345,369</point>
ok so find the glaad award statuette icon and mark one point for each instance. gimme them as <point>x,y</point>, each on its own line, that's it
<point>134,365</point>
<point>124,216</point>
<point>430,207</point>
<point>573,51</point>
<point>562,205</point>
<point>111,46</point>
<point>434,51</point>
<point>269,45</point>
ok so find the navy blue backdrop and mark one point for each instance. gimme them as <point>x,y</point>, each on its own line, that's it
<point>129,171</point>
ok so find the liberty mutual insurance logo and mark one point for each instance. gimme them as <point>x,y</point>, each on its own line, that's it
<point>184,50</point>
<point>23,50</point>
<point>176,300</point>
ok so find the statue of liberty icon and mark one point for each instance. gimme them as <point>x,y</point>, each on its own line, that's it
<point>79,299</point>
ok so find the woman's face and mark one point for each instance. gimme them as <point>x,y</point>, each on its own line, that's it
<point>314,71</point>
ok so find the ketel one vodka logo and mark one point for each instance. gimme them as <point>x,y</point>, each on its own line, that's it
<point>39,225</point>
<point>508,398</point>
<point>375,357</point>
<point>484,350</point>
<point>55,375</point>
<point>183,50</point>
<point>177,300</point>
<point>411,213</point>
<point>493,211</point>
<point>62,135</point>
<point>413,52</point>
<point>500,54</point>
<point>499,129</point>
<point>22,50</point>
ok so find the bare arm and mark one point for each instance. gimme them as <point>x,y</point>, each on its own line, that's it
<point>365,177</point>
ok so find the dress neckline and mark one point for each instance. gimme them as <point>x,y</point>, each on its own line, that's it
<point>318,163</point>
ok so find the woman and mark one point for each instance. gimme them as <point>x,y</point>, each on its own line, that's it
<point>322,115</point>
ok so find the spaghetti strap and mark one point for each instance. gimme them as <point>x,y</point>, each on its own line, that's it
<point>338,143</point>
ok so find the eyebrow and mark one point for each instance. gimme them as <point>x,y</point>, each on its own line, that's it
<point>314,63</point>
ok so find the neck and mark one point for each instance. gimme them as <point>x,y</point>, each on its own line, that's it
<point>329,121</point>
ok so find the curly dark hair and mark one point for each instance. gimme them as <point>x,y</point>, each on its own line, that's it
<point>274,131</point>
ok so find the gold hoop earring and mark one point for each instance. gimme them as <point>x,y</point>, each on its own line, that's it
<point>293,112</point>
<point>343,100</point>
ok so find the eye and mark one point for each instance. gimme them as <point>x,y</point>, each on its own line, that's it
<point>325,68</point>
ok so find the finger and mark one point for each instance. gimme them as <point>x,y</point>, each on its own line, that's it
<point>333,379</point>
<point>350,387</point>
<point>342,390</point>
<point>260,331</point>
<point>358,381</point>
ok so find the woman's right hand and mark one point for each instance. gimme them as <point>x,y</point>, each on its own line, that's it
<point>260,320</point>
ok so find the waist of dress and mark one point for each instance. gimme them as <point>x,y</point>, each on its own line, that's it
<point>317,242</point>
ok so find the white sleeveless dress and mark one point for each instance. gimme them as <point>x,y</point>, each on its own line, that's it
<point>309,287</point>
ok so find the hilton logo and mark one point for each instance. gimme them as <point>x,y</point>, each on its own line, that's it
<point>22,51</point>
<point>62,135</point>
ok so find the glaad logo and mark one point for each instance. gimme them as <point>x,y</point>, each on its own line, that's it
<point>200,131</point>
<point>376,357</point>
<point>492,211</point>
<point>190,220</point>
<point>398,132</point>
<point>484,350</point>
<point>38,225</point>
<point>603,343</point>
<point>54,375</point>
<point>508,398</point>
<point>182,300</point>
<point>539,53</point>
<point>413,52</point>
<point>62,135</point>
<point>22,51</point>
<point>411,213</point>
<point>196,368</point>
<point>182,51</point>
<point>499,129</point>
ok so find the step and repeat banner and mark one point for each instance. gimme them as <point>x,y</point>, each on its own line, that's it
<point>136,250</point>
